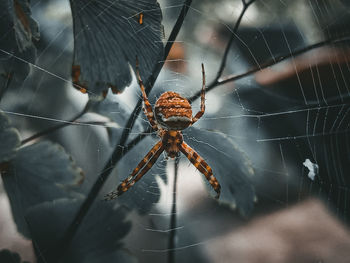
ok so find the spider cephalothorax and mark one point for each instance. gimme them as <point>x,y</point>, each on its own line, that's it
<point>172,113</point>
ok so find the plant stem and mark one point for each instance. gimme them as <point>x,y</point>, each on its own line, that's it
<point>229,44</point>
<point>173,219</point>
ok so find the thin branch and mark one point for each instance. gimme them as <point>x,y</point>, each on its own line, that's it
<point>119,151</point>
<point>59,126</point>
<point>283,57</point>
<point>173,219</point>
<point>177,27</point>
<point>233,34</point>
<point>231,78</point>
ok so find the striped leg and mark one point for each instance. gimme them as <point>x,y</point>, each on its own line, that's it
<point>142,168</point>
<point>201,165</point>
<point>147,108</point>
<point>201,112</point>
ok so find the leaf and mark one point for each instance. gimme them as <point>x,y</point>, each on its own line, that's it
<point>6,256</point>
<point>108,36</point>
<point>26,29</point>
<point>145,193</point>
<point>9,139</point>
<point>119,112</point>
<point>230,166</point>
<point>18,30</point>
<point>40,172</point>
<point>98,239</point>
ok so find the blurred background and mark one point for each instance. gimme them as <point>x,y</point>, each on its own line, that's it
<point>291,120</point>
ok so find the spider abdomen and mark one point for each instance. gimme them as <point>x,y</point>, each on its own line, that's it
<point>172,111</point>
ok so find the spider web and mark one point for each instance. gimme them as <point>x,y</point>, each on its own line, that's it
<point>282,116</point>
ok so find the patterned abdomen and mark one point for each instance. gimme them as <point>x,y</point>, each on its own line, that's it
<point>172,111</point>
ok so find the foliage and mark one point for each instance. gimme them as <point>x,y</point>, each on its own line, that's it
<point>115,36</point>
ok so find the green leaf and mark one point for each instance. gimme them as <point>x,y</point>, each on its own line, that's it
<point>107,39</point>
<point>145,193</point>
<point>18,30</point>
<point>97,240</point>
<point>40,172</point>
<point>230,166</point>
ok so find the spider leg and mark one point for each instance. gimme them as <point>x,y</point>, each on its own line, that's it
<point>142,168</point>
<point>201,165</point>
<point>147,108</point>
<point>201,112</point>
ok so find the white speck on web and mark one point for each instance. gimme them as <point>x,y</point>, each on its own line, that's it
<point>313,168</point>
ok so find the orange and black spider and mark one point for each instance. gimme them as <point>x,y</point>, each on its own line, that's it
<point>172,113</point>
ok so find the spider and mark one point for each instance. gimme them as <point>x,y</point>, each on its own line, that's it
<point>172,113</point>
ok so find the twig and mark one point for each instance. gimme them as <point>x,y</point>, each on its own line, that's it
<point>173,219</point>
<point>59,126</point>
<point>231,78</point>
<point>177,27</point>
<point>119,150</point>
<point>233,34</point>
